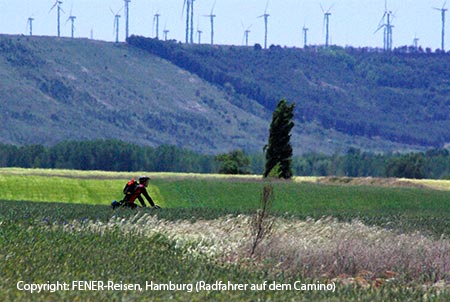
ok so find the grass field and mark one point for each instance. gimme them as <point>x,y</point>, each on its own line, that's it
<point>374,243</point>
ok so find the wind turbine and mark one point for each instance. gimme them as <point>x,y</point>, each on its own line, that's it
<point>192,21</point>
<point>416,42</point>
<point>165,31</point>
<point>59,10</point>
<point>326,22</point>
<point>387,27</point>
<point>211,17</point>
<point>187,4</point>
<point>30,25</point>
<point>199,34</point>
<point>156,22</point>
<point>387,37</point>
<point>127,18</point>
<point>443,10</point>
<point>245,35</point>
<point>116,23</point>
<point>305,36</point>
<point>266,16</point>
<point>72,19</point>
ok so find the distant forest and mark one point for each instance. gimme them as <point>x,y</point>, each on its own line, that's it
<point>401,96</point>
<point>114,155</point>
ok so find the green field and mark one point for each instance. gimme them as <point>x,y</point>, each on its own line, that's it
<point>57,225</point>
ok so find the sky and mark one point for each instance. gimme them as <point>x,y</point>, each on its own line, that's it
<point>352,22</point>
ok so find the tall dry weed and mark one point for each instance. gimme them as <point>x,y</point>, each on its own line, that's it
<point>261,225</point>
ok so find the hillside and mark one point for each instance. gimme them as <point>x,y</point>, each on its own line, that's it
<point>59,89</point>
<point>56,89</point>
<point>400,97</point>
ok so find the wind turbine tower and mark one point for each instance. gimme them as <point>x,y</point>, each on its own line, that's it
<point>387,37</point>
<point>327,35</point>
<point>30,25</point>
<point>416,43</point>
<point>443,10</point>
<point>266,17</point>
<point>211,17</point>
<point>187,4</point>
<point>389,27</point>
<point>72,20</point>
<point>156,22</point>
<point>246,32</point>
<point>326,22</point>
<point>127,18</point>
<point>199,33</point>
<point>245,35</point>
<point>165,31</point>
<point>116,25</point>
<point>59,10</point>
<point>192,21</point>
<point>305,36</point>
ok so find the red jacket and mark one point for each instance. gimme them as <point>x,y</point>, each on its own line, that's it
<point>140,189</point>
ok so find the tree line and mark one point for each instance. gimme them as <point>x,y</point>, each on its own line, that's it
<point>107,155</point>
<point>432,164</point>
<point>115,155</point>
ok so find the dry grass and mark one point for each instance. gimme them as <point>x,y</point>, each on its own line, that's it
<point>92,174</point>
<point>328,247</point>
<point>314,248</point>
<point>357,181</point>
<point>386,182</point>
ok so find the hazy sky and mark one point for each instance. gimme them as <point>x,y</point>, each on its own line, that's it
<point>352,22</point>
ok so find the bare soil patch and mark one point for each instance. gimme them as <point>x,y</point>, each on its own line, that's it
<point>371,181</point>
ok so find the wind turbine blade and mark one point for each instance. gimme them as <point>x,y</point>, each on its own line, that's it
<point>331,7</point>
<point>324,22</point>
<point>379,27</point>
<point>182,10</point>
<point>52,7</point>
<point>214,5</point>
<point>321,7</point>
<point>382,19</point>
<point>267,5</point>
<point>443,6</point>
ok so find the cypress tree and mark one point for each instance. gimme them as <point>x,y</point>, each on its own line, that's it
<point>278,151</point>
